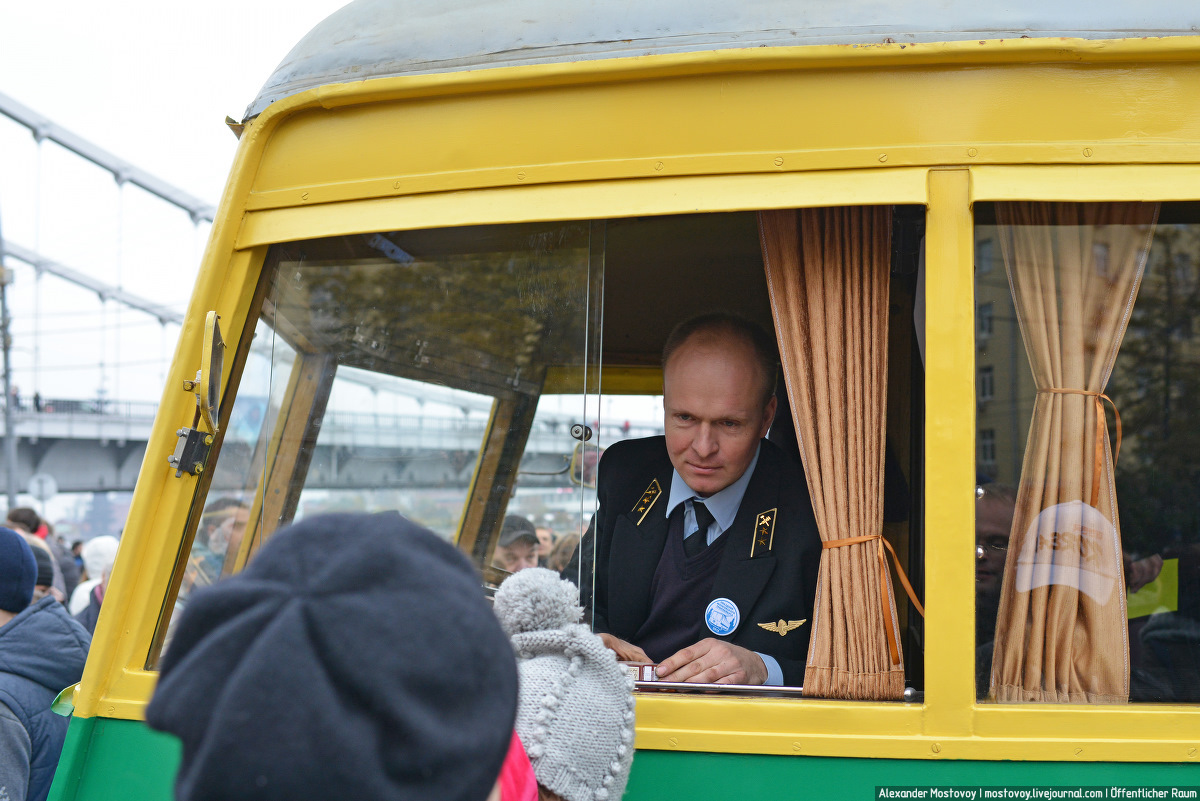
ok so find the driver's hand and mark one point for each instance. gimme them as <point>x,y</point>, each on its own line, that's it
<point>713,661</point>
<point>626,651</point>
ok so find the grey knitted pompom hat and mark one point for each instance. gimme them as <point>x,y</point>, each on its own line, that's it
<point>575,707</point>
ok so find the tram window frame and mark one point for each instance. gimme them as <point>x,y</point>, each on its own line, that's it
<point>315,391</point>
<point>1128,392</point>
<point>906,247</point>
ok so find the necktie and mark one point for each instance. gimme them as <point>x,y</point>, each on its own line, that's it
<point>698,541</point>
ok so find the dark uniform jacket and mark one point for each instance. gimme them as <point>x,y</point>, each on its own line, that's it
<point>774,586</point>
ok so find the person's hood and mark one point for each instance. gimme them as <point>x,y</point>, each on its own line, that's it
<point>99,553</point>
<point>44,644</point>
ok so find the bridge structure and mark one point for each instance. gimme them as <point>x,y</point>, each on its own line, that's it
<point>98,446</point>
<point>97,443</point>
<point>50,185</point>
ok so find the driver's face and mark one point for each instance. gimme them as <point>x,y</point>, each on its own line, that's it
<point>714,415</point>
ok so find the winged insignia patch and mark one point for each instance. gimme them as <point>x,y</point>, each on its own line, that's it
<point>782,627</point>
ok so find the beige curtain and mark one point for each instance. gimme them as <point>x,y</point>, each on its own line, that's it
<point>828,275</point>
<point>1061,630</point>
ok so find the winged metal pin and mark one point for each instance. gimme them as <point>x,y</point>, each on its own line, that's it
<point>783,626</point>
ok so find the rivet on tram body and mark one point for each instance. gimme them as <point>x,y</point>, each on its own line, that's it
<point>658,166</point>
<point>778,161</point>
<point>304,196</point>
<point>395,185</point>
<point>797,747</point>
<point>673,742</point>
<point>1192,753</point>
<point>937,748</point>
<point>1087,152</point>
<point>882,157</point>
<point>1078,752</point>
<point>972,152</point>
<point>520,176</point>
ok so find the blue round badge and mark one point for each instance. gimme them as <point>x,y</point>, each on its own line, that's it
<point>722,616</point>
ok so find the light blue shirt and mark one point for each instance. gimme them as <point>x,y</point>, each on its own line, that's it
<point>723,506</point>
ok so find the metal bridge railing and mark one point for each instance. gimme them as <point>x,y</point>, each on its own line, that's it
<point>144,411</point>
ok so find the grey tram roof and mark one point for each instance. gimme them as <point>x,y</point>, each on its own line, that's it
<point>383,38</point>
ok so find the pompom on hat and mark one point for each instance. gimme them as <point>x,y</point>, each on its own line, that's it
<point>18,571</point>
<point>355,657</point>
<point>575,713</point>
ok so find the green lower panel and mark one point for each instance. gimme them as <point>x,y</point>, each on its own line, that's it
<point>666,775</point>
<point>104,759</point>
<point>116,760</point>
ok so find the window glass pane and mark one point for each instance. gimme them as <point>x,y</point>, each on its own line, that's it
<point>551,483</point>
<point>1085,569</point>
<point>986,386</point>
<point>219,537</point>
<point>984,316</point>
<point>426,372</point>
<point>1158,380</point>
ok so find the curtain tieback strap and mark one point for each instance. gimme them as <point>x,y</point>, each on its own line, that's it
<point>1101,433</point>
<point>893,647</point>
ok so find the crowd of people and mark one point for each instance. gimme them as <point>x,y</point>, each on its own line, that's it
<point>50,598</point>
<point>42,651</point>
<point>355,655</point>
<point>77,576</point>
<point>519,703</point>
<point>523,544</point>
<point>285,681</point>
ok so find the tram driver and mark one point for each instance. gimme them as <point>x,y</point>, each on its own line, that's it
<point>706,546</point>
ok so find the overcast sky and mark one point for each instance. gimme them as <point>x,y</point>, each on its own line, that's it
<point>151,82</point>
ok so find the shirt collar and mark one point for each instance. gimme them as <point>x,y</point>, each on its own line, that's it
<point>724,504</point>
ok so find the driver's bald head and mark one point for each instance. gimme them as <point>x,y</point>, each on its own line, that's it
<point>721,328</point>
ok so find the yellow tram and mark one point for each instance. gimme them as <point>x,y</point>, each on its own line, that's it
<point>972,231</point>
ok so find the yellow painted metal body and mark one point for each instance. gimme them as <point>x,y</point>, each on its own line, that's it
<point>940,125</point>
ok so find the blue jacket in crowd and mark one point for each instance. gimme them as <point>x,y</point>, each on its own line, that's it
<point>42,651</point>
